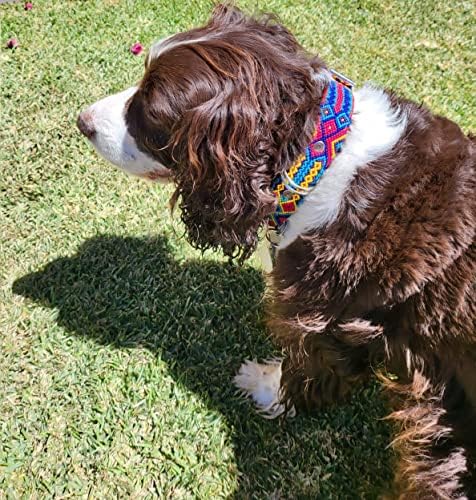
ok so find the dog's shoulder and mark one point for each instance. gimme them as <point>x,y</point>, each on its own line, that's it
<point>404,220</point>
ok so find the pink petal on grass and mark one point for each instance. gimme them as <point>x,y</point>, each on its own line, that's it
<point>137,48</point>
<point>28,6</point>
<point>12,43</point>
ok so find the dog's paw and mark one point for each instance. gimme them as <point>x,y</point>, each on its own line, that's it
<point>261,382</point>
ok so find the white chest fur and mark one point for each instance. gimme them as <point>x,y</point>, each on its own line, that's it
<point>376,128</point>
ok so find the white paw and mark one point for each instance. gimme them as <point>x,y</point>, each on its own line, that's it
<point>261,382</point>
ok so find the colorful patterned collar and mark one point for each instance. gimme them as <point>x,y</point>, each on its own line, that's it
<point>332,126</point>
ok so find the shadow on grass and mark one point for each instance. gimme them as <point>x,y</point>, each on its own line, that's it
<point>203,318</point>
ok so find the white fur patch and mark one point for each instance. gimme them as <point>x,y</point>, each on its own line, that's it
<point>376,128</point>
<point>113,141</point>
<point>261,382</point>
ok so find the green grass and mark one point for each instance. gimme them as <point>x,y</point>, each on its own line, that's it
<point>118,341</point>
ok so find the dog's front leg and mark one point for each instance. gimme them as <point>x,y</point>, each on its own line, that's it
<point>262,383</point>
<point>322,363</point>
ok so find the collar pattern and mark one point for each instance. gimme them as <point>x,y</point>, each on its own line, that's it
<point>332,127</point>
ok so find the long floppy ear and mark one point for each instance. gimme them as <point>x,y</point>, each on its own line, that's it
<point>252,112</point>
<point>224,179</point>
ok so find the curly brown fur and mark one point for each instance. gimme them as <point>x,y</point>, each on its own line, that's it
<point>433,458</point>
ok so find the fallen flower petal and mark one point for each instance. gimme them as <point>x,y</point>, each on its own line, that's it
<point>12,43</point>
<point>137,48</point>
<point>28,6</point>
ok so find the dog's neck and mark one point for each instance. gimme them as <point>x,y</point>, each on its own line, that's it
<point>332,126</point>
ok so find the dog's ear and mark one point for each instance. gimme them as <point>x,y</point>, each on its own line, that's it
<point>224,150</point>
<point>256,116</point>
<point>239,105</point>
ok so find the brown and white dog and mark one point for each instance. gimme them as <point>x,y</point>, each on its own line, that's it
<point>378,264</point>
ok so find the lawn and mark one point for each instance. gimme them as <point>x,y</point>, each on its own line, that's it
<point>118,341</point>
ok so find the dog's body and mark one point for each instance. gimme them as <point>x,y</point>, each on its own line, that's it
<point>378,265</point>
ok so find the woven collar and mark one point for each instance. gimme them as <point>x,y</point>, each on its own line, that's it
<point>332,126</point>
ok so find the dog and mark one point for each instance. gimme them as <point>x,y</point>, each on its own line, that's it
<point>371,204</point>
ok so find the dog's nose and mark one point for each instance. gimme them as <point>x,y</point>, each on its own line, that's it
<point>85,124</point>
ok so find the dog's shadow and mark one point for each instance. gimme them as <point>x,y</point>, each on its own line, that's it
<point>202,318</point>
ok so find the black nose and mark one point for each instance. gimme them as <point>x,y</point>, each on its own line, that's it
<point>85,124</point>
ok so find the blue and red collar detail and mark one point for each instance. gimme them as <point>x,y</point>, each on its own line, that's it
<point>332,127</point>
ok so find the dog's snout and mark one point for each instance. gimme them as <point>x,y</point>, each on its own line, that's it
<point>86,125</point>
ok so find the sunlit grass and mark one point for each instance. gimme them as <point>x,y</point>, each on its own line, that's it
<point>118,341</point>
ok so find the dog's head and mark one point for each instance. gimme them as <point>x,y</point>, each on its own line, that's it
<point>220,111</point>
